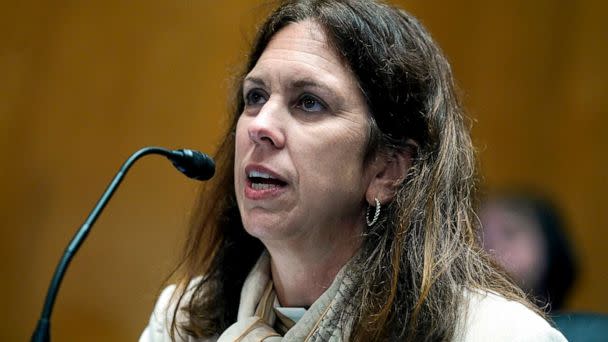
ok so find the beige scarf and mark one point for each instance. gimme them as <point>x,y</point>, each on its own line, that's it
<point>257,319</point>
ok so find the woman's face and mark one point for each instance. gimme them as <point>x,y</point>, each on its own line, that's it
<point>300,142</point>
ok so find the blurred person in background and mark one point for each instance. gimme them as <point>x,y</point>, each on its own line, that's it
<point>526,235</point>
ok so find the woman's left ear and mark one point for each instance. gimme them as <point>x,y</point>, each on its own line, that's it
<point>389,171</point>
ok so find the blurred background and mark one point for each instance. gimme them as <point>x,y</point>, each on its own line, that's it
<point>83,84</point>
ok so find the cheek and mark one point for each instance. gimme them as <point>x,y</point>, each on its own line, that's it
<point>241,137</point>
<point>345,139</point>
<point>240,144</point>
<point>332,159</point>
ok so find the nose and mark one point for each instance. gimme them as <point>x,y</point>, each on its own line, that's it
<point>267,128</point>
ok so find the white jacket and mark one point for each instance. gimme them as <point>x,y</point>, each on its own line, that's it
<point>489,317</point>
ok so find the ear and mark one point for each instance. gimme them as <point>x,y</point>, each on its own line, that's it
<point>388,172</point>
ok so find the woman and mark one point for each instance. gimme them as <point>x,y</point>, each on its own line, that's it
<point>342,205</point>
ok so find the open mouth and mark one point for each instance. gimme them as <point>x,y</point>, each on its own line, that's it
<point>263,181</point>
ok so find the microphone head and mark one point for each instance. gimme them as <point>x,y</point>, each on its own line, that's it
<point>193,164</point>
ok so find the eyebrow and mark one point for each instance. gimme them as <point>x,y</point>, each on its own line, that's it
<point>255,80</point>
<point>297,84</point>
<point>310,83</point>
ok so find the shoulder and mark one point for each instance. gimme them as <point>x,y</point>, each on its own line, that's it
<point>492,317</point>
<point>159,325</point>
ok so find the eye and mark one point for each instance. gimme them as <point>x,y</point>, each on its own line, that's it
<point>255,97</point>
<point>310,103</point>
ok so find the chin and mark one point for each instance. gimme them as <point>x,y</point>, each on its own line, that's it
<point>265,229</point>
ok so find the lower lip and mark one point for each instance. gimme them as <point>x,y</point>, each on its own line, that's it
<point>259,194</point>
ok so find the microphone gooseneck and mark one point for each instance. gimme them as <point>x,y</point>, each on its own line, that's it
<point>192,163</point>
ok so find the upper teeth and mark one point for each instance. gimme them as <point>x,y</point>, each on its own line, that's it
<point>259,174</point>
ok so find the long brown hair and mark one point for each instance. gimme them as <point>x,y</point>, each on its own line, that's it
<point>417,262</point>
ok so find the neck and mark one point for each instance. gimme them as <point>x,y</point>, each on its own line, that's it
<point>302,272</point>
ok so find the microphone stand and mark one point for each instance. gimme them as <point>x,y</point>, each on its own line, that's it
<point>42,332</point>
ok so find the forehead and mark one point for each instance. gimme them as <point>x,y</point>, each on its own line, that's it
<point>305,45</point>
<point>303,35</point>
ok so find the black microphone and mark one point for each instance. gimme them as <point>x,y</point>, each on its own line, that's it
<point>192,163</point>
